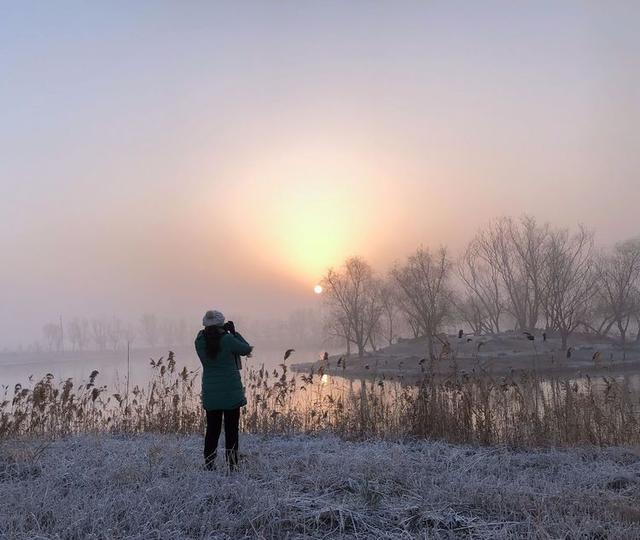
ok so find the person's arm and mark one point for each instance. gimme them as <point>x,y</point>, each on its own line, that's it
<point>239,336</point>
<point>245,341</point>
<point>201,345</point>
<point>238,345</point>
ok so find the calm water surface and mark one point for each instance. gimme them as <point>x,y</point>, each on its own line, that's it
<point>27,368</point>
<point>112,366</point>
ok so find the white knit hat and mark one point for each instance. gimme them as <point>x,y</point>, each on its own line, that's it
<point>213,318</point>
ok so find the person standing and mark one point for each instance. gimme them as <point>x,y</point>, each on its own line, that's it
<point>219,348</point>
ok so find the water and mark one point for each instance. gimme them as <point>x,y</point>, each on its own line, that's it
<point>27,368</point>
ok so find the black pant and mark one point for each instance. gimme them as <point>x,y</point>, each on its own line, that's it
<point>214,425</point>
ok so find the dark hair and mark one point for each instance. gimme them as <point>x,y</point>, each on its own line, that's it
<point>213,335</point>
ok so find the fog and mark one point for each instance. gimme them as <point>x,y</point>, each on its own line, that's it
<point>170,158</point>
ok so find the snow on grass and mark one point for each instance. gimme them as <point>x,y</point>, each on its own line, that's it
<point>153,486</point>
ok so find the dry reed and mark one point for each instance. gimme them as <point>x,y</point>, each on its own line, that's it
<point>478,409</point>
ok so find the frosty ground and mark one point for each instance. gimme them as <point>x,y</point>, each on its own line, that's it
<point>153,486</point>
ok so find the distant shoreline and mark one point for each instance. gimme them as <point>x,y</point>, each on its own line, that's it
<point>509,358</point>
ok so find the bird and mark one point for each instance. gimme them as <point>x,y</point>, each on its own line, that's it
<point>596,356</point>
<point>569,351</point>
<point>288,352</point>
<point>366,366</point>
<point>325,356</point>
<point>530,336</point>
<point>460,334</point>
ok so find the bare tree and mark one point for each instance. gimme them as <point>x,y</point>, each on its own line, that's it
<point>600,319</point>
<point>470,311</point>
<point>425,291</point>
<point>569,280</point>
<point>337,326</point>
<point>619,284</point>
<point>100,333</point>
<point>515,251</point>
<point>353,293</point>
<point>530,240</point>
<point>410,317</point>
<point>374,311</point>
<point>129,333</point>
<point>482,303</point>
<point>78,333</point>
<point>389,309</point>
<point>53,336</point>
<point>115,332</point>
<point>73,333</point>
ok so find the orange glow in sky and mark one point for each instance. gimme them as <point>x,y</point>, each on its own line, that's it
<point>308,208</point>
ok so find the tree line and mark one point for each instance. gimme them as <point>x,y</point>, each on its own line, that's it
<point>112,333</point>
<point>151,330</point>
<point>514,274</point>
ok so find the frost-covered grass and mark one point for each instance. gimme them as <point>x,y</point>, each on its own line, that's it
<point>153,486</point>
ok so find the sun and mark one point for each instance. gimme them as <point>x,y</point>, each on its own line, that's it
<point>317,289</point>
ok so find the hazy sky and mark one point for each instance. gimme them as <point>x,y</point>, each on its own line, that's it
<point>172,156</point>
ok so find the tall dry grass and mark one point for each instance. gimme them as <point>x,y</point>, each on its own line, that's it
<point>169,403</point>
<point>479,409</point>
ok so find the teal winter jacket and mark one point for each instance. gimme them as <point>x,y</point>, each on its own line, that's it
<point>221,382</point>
